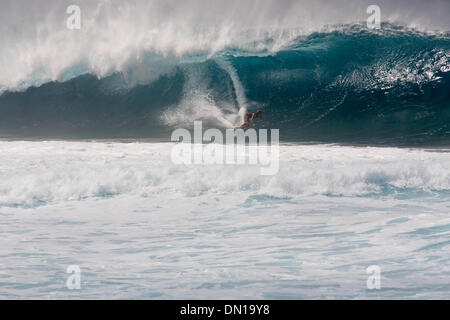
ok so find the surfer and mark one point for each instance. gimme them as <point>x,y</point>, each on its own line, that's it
<point>251,116</point>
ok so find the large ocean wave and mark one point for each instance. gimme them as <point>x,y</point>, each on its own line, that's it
<point>340,83</point>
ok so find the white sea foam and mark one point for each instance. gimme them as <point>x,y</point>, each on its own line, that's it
<point>140,227</point>
<point>40,173</point>
<point>197,104</point>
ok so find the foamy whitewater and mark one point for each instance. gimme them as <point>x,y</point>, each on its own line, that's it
<point>139,226</point>
<point>87,178</point>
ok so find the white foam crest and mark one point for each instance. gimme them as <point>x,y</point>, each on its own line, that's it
<point>39,173</point>
<point>197,104</point>
<point>238,87</point>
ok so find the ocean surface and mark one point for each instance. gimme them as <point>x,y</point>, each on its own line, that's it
<point>139,226</point>
<point>87,178</point>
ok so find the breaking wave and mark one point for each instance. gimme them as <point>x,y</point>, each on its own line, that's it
<point>340,83</point>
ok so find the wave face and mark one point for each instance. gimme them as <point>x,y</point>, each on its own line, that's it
<point>344,84</point>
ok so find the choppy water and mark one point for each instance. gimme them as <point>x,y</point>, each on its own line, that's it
<point>139,226</point>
